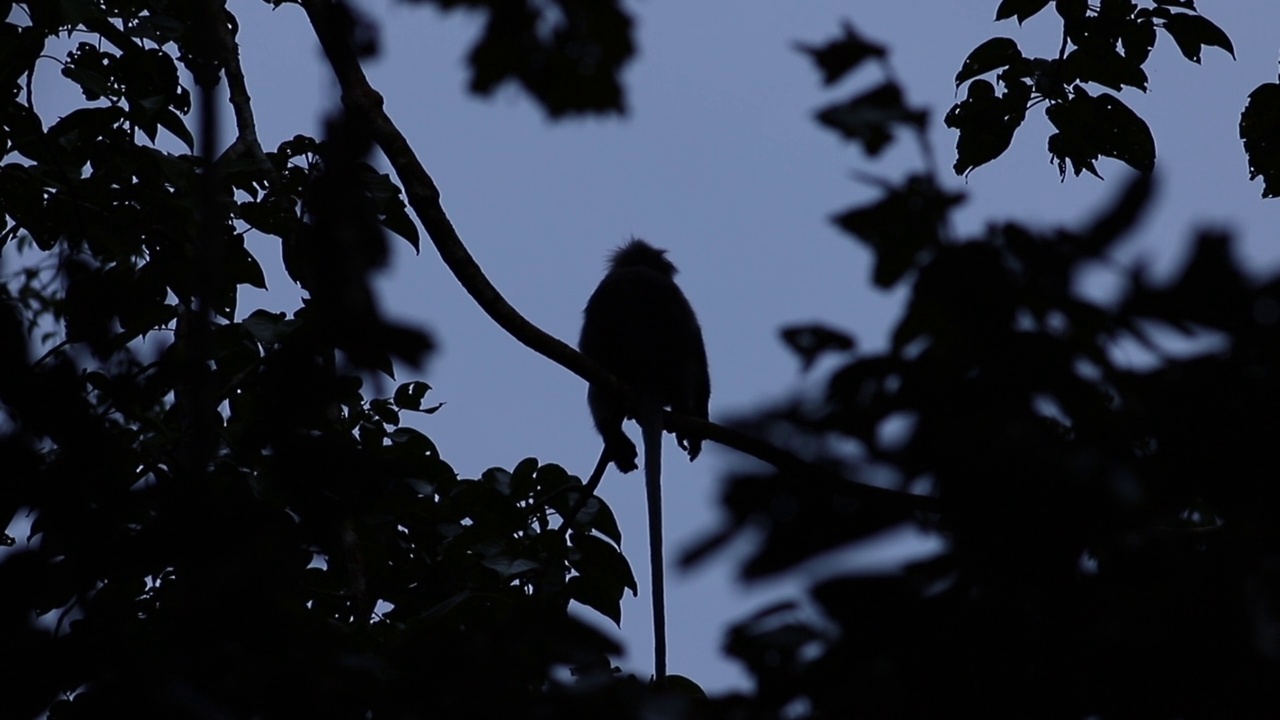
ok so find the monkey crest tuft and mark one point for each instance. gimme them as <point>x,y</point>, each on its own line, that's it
<point>638,253</point>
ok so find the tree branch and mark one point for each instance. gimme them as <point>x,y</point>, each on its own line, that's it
<point>359,97</point>
<point>224,37</point>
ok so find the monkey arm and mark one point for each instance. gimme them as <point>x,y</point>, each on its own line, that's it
<point>608,414</point>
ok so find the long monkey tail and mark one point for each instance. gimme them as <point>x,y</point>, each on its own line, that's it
<point>651,433</point>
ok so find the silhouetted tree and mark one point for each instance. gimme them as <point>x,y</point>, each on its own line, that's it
<point>208,517</point>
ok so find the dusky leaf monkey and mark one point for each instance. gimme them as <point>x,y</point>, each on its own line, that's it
<point>641,328</point>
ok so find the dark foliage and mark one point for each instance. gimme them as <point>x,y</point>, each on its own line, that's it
<point>1107,547</point>
<point>566,53</point>
<point>214,519</point>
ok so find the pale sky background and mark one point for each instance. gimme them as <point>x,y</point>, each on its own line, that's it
<point>719,161</point>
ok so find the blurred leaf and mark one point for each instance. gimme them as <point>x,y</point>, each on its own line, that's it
<point>869,118</point>
<point>899,228</point>
<point>842,55</point>
<point>566,53</point>
<point>811,341</point>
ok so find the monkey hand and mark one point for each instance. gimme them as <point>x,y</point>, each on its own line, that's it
<point>622,452</point>
<point>693,446</point>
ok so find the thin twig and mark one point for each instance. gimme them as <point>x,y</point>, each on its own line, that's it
<point>49,353</point>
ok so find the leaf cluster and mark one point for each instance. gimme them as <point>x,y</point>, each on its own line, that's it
<point>1106,45</point>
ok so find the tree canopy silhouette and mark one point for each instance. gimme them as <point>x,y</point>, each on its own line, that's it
<point>210,515</point>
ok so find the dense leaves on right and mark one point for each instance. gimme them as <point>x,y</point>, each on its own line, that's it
<point>1100,480</point>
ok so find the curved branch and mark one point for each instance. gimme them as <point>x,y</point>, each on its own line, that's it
<point>359,97</point>
<point>424,197</point>
<point>224,37</point>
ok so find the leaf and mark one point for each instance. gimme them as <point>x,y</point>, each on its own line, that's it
<point>524,484</point>
<point>409,395</point>
<point>154,26</point>
<point>1089,127</point>
<point>1125,136</point>
<point>1116,10</point>
<point>509,567</point>
<point>681,685</point>
<point>602,561</point>
<point>604,522</point>
<point>1072,12</point>
<point>1103,65</point>
<point>596,596</point>
<point>1021,9</point>
<point>1212,289</point>
<point>88,122</point>
<point>399,222</point>
<point>986,123</point>
<point>868,118</point>
<point>93,85</point>
<point>382,410</point>
<point>1260,135</point>
<point>171,121</point>
<point>267,328</point>
<point>274,215</point>
<point>1137,38</point>
<point>900,227</point>
<point>297,146</point>
<point>569,61</point>
<point>1191,32</point>
<point>1118,219</point>
<point>841,56</point>
<point>499,479</point>
<point>412,441</point>
<point>243,268</point>
<point>991,55</point>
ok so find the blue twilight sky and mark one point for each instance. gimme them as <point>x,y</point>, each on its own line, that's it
<point>720,162</point>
